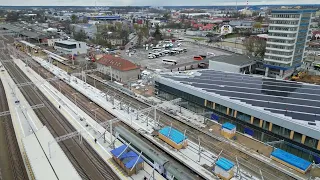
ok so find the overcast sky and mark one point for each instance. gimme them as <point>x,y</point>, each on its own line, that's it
<point>147,2</point>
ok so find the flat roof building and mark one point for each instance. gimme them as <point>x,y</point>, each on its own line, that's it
<point>232,63</point>
<point>289,31</point>
<point>272,109</point>
<point>71,47</point>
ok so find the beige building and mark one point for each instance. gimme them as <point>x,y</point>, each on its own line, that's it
<point>121,70</point>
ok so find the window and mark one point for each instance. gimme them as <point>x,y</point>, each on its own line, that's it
<point>209,104</point>
<point>310,142</point>
<point>243,116</point>
<point>66,46</point>
<point>285,132</point>
<point>297,137</point>
<point>275,129</point>
<point>256,121</point>
<point>266,125</point>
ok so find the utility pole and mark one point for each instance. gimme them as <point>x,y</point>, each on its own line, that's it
<point>95,116</point>
<point>75,100</point>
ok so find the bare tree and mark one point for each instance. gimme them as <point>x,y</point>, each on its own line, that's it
<point>260,47</point>
<point>248,43</point>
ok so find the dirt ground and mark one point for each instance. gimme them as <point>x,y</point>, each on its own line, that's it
<point>246,141</point>
<point>240,46</point>
<point>310,79</point>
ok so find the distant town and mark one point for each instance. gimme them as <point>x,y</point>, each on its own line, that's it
<point>150,92</point>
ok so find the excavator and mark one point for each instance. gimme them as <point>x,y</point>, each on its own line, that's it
<point>299,75</point>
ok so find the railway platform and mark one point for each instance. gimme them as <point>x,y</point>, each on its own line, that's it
<point>189,157</point>
<point>33,138</point>
<point>86,127</point>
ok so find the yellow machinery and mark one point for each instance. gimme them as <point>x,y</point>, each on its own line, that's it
<point>298,76</point>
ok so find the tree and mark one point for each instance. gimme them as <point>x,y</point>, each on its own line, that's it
<point>157,34</point>
<point>167,16</point>
<point>259,19</point>
<point>143,32</point>
<point>12,16</point>
<point>248,43</point>
<point>85,20</point>
<point>257,25</point>
<point>260,47</point>
<point>74,18</point>
<point>80,36</point>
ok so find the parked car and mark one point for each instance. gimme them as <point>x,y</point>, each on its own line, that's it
<point>151,56</point>
<point>198,58</point>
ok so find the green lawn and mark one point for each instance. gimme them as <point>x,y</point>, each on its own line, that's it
<point>198,38</point>
<point>231,36</point>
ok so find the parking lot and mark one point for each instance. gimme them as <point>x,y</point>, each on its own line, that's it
<point>140,57</point>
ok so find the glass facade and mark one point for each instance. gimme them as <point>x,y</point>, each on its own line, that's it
<point>265,133</point>
<point>66,46</point>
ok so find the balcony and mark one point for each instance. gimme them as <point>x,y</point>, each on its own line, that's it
<point>283,25</point>
<point>280,31</point>
<point>285,19</point>
<point>277,61</point>
<point>278,49</point>
<point>281,44</point>
<point>280,37</point>
<point>279,55</point>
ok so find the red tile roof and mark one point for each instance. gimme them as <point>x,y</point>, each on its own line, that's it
<point>117,63</point>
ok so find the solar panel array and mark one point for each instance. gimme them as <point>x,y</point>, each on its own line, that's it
<point>296,100</point>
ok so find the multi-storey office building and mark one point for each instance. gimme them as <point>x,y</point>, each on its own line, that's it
<point>267,109</point>
<point>289,31</point>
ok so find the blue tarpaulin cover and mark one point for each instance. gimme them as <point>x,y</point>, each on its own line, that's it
<point>224,163</point>
<point>248,131</point>
<point>214,117</point>
<point>228,126</point>
<point>291,159</point>
<point>128,158</point>
<point>117,151</point>
<point>175,135</point>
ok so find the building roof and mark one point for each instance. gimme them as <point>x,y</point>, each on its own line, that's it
<point>173,134</point>
<point>291,159</point>
<point>117,63</point>
<point>235,59</point>
<point>224,163</point>
<point>228,126</point>
<point>289,104</point>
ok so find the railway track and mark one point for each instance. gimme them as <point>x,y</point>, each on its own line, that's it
<point>86,105</point>
<point>86,161</point>
<point>246,162</point>
<point>14,163</point>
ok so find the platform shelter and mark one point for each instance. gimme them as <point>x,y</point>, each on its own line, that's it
<point>228,130</point>
<point>224,168</point>
<point>130,161</point>
<point>291,160</point>
<point>173,137</point>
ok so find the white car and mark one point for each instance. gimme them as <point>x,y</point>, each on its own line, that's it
<point>179,44</point>
<point>151,56</point>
